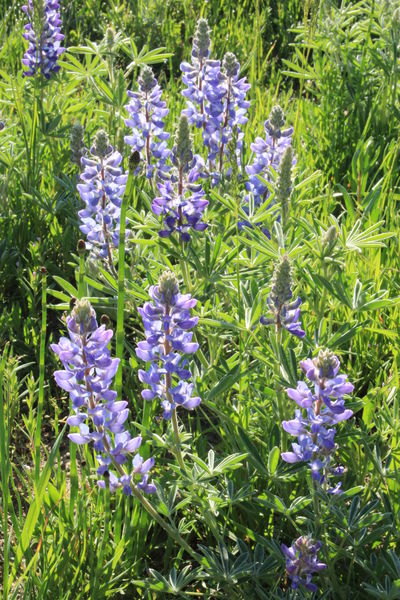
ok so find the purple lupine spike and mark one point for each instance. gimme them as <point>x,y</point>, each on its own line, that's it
<point>102,190</point>
<point>302,562</point>
<point>167,323</point>
<point>181,202</point>
<point>43,33</point>
<point>267,154</point>
<point>87,377</point>
<point>286,313</point>
<point>146,118</point>
<point>194,74</point>
<point>225,110</point>
<point>324,407</point>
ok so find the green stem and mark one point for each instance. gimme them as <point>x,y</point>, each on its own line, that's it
<point>178,451</point>
<point>5,476</point>
<point>121,286</point>
<point>42,365</point>
<point>81,275</point>
<point>172,531</point>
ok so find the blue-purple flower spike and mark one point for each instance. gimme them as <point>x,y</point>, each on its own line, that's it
<point>87,377</point>
<point>181,202</point>
<point>286,313</point>
<point>194,74</point>
<point>102,190</point>
<point>302,561</point>
<point>147,112</point>
<point>324,407</point>
<point>167,323</point>
<point>43,33</point>
<point>268,153</point>
<point>225,110</point>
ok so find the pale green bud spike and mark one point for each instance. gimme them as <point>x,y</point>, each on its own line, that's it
<point>83,312</point>
<point>110,38</point>
<point>230,65</point>
<point>76,143</point>
<point>147,79</point>
<point>201,40</point>
<point>101,143</point>
<point>329,238</point>
<point>283,186</point>
<point>281,291</point>
<point>168,286</point>
<point>183,142</point>
<point>277,118</point>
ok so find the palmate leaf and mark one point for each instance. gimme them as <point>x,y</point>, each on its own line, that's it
<point>357,239</point>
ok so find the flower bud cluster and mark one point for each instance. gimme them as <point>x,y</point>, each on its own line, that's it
<point>87,377</point>
<point>43,33</point>
<point>146,118</point>
<point>102,190</point>
<point>302,561</point>
<point>181,202</point>
<point>76,143</point>
<point>285,313</point>
<point>167,323</point>
<point>324,407</point>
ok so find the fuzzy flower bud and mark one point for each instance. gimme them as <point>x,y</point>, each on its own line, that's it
<point>82,312</point>
<point>76,143</point>
<point>201,39</point>
<point>231,65</point>
<point>101,144</point>
<point>110,38</point>
<point>282,282</point>
<point>168,286</point>
<point>276,121</point>
<point>329,238</point>
<point>183,143</point>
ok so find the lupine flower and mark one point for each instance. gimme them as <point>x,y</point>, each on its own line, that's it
<point>302,561</point>
<point>267,153</point>
<point>87,377</point>
<point>181,202</point>
<point>102,190</point>
<point>324,407</point>
<point>146,118</point>
<point>194,74</point>
<point>44,35</point>
<point>76,143</point>
<point>225,111</point>
<point>285,313</point>
<point>167,323</point>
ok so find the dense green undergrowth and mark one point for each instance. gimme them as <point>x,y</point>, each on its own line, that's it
<point>334,69</point>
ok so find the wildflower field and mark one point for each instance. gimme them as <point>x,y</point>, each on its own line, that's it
<point>200,290</point>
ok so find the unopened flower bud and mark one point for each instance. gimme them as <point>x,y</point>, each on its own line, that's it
<point>201,40</point>
<point>230,65</point>
<point>101,146</point>
<point>81,247</point>
<point>82,312</point>
<point>110,37</point>
<point>76,143</point>
<point>168,286</point>
<point>276,121</point>
<point>282,282</point>
<point>329,238</point>
<point>147,81</point>
<point>326,361</point>
<point>183,143</point>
